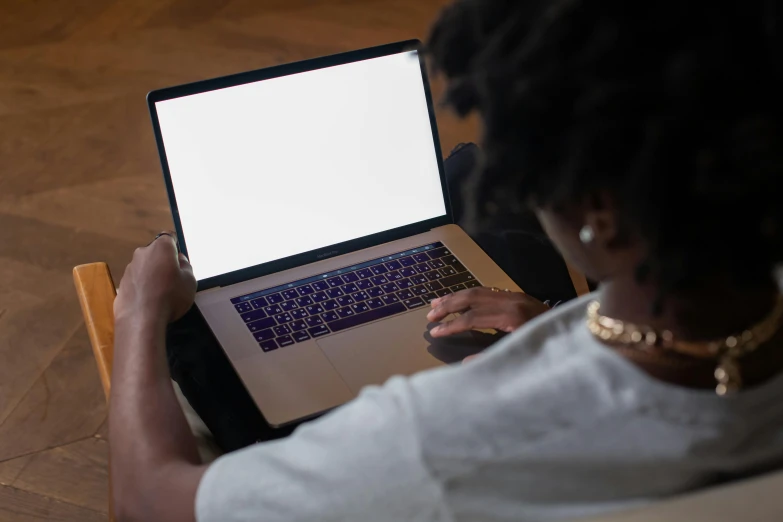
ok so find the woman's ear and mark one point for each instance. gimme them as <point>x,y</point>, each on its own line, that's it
<point>600,218</point>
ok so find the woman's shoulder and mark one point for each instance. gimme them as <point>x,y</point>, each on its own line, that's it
<point>559,332</point>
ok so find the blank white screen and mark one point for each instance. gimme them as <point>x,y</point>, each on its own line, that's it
<point>274,168</point>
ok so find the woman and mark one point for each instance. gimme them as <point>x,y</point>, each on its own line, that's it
<point>647,137</point>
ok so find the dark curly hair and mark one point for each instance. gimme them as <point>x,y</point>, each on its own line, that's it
<point>674,107</point>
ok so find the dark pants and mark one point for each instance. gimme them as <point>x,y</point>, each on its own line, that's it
<point>212,387</point>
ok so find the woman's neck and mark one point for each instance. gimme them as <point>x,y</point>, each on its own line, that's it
<point>717,311</point>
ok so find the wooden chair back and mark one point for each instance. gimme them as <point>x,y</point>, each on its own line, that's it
<point>96,291</point>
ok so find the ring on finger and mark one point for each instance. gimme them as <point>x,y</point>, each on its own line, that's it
<point>170,234</point>
<point>164,234</point>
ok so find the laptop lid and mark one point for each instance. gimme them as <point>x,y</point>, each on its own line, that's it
<point>285,166</point>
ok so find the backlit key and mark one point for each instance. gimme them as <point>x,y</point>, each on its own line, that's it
<point>408,272</point>
<point>390,299</point>
<point>464,277</point>
<point>439,252</point>
<point>318,331</point>
<point>335,281</point>
<point>319,297</point>
<point>415,302</point>
<point>360,308</point>
<point>287,306</point>
<point>345,312</point>
<point>314,320</point>
<point>436,263</point>
<point>418,290</point>
<point>301,336</point>
<point>320,286</point>
<point>433,286</point>
<point>284,341</point>
<point>405,283</point>
<point>393,265</point>
<point>350,278</point>
<point>282,329</point>
<point>379,269</point>
<point>459,267</point>
<point>259,303</point>
<point>263,324</point>
<point>350,288</point>
<point>243,307</point>
<point>269,345</point>
<point>273,310</point>
<point>304,301</point>
<point>298,325</point>
<point>334,292</point>
<point>345,300</point>
<point>255,315</point>
<point>330,316</point>
<point>424,267</point>
<point>305,290</point>
<point>419,279</point>
<point>264,335</point>
<point>375,291</point>
<point>299,313</point>
<point>405,294</point>
<point>364,284</point>
<point>315,309</point>
<point>360,296</point>
<point>274,298</point>
<point>448,271</point>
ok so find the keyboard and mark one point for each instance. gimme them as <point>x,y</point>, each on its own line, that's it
<point>353,296</point>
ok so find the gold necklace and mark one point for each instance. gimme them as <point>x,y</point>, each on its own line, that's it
<point>727,351</point>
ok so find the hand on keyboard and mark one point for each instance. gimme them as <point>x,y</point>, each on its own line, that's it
<point>483,308</point>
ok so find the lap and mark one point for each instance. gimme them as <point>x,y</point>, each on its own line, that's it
<point>208,381</point>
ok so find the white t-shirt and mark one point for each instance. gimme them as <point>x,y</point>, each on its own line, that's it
<point>548,424</point>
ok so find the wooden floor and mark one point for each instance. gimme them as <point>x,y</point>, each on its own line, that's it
<point>80,181</point>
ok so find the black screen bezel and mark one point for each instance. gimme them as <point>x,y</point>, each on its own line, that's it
<point>284,70</point>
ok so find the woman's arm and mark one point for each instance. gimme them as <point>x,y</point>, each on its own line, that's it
<point>155,465</point>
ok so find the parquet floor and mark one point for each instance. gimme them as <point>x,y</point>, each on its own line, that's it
<point>80,182</point>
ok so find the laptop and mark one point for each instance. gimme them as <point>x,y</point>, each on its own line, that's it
<point>311,201</point>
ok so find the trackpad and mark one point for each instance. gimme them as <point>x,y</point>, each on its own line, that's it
<point>373,353</point>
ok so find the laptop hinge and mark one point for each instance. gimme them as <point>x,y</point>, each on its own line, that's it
<point>442,226</point>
